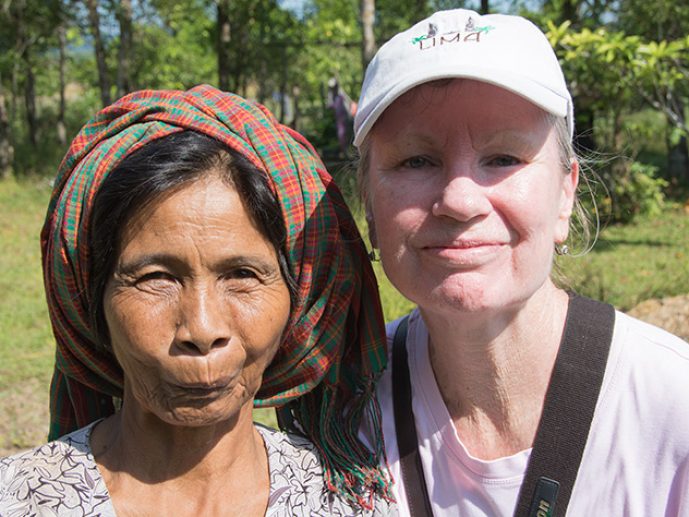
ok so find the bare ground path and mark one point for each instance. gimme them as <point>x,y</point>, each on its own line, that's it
<point>672,314</point>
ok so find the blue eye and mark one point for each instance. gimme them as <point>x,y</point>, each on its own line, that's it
<point>416,162</point>
<point>503,161</point>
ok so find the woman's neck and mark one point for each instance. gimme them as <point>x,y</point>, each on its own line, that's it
<point>147,463</point>
<point>493,373</point>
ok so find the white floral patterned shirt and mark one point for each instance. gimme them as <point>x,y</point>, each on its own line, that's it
<point>62,478</point>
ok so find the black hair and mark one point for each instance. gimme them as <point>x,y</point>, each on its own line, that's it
<point>161,167</point>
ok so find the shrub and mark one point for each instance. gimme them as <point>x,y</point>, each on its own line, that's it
<point>629,191</point>
<point>640,192</point>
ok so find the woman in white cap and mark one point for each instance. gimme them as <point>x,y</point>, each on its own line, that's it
<point>506,395</point>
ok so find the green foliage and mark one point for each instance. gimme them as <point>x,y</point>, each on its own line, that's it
<point>638,193</point>
<point>175,56</point>
<point>657,20</point>
<point>598,65</point>
<point>619,57</point>
<point>330,48</point>
<point>614,72</point>
<point>612,77</point>
<point>393,16</point>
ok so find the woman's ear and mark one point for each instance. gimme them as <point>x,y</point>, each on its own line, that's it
<point>567,198</point>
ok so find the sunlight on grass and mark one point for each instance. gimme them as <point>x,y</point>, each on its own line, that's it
<point>26,346</point>
<point>629,264</point>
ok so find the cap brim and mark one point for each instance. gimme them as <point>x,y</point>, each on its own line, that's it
<point>538,94</point>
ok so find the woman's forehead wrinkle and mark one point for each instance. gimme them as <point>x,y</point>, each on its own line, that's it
<point>514,137</point>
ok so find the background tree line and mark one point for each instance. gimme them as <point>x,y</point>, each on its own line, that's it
<point>627,62</point>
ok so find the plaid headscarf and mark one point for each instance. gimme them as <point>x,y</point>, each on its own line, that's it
<point>333,349</point>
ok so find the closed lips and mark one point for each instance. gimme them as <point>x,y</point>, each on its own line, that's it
<point>465,244</point>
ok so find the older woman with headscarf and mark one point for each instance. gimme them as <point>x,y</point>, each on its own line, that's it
<point>198,261</point>
<point>507,395</point>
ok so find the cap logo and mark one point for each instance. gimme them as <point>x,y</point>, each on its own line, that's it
<point>432,38</point>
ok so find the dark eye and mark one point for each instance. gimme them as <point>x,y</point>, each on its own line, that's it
<point>503,161</point>
<point>155,275</point>
<point>241,273</point>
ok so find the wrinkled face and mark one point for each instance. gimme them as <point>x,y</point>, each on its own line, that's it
<point>196,306</point>
<point>467,196</point>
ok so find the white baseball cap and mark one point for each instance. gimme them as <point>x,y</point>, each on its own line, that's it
<point>504,50</point>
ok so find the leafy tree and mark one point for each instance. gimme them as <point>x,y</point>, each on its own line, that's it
<point>662,71</point>
<point>665,23</point>
<point>6,147</point>
<point>174,45</point>
<point>613,74</point>
<point>28,33</point>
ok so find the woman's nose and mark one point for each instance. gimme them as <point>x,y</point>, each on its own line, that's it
<point>461,198</point>
<point>204,321</point>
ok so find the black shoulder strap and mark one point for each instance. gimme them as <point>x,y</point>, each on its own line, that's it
<point>568,410</point>
<point>564,426</point>
<point>407,442</point>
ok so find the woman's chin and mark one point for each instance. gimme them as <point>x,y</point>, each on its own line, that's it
<point>202,416</point>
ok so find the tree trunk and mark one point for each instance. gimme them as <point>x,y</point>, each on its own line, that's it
<point>224,40</point>
<point>295,107</point>
<point>238,79</point>
<point>262,75</point>
<point>103,81</point>
<point>678,162</point>
<point>30,99</point>
<point>124,81</point>
<point>14,92</point>
<point>24,54</point>
<point>24,51</point>
<point>6,148</point>
<point>584,134</point>
<point>485,7</point>
<point>420,11</point>
<point>283,87</point>
<point>368,42</point>
<point>569,12</point>
<point>61,130</point>
<point>16,16</point>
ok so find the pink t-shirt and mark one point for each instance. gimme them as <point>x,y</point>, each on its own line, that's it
<point>636,461</point>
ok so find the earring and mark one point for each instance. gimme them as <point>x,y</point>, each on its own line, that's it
<point>561,249</point>
<point>372,256</point>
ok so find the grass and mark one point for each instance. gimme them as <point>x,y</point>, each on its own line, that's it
<point>26,340</point>
<point>647,259</point>
<point>26,345</point>
<point>636,262</point>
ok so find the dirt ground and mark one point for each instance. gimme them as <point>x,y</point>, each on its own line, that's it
<point>672,314</point>
<point>24,417</point>
<point>25,412</point>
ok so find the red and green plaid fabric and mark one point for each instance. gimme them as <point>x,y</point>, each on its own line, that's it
<point>334,347</point>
